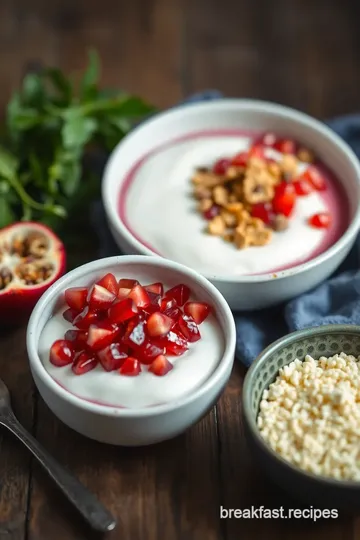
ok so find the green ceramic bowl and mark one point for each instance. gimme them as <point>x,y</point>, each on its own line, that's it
<point>320,341</point>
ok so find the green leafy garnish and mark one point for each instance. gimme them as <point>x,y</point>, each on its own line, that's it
<point>50,126</point>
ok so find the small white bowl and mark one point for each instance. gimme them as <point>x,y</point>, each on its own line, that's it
<point>121,426</point>
<point>251,291</point>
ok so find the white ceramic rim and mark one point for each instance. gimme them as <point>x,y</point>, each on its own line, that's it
<point>60,285</point>
<point>110,202</point>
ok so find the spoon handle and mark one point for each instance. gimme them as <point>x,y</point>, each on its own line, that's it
<point>85,502</point>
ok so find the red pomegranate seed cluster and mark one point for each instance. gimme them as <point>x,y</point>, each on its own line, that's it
<point>125,326</point>
<point>245,197</point>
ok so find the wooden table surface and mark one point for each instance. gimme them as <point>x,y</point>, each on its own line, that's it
<point>302,53</point>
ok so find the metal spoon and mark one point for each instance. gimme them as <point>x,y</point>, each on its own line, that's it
<point>85,502</point>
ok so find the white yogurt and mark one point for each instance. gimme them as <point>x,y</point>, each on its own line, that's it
<point>161,211</point>
<point>190,371</point>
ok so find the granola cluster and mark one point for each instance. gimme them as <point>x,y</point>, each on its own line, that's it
<point>246,199</point>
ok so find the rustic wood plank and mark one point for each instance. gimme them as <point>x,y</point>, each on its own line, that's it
<point>14,459</point>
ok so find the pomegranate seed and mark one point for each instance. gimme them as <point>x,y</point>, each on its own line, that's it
<point>125,287</point>
<point>83,363</point>
<point>284,199</point>
<point>122,310</point>
<point>174,343</point>
<point>302,187</point>
<point>113,356</point>
<point>173,312</point>
<point>221,166</point>
<point>61,353</point>
<point>158,324</point>
<point>167,303</point>
<point>135,333</point>
<point>180,293</point>
<point>148,351</point>
<point>213,211</point>
<point>109,282</point>
<point>257,150</point>
<point>101,335</point>
<point>131,367</point>
<point>75,298</point>
<point>78,338</point>
<point>322,220</point>
<point>160,366</point>
<point>197,310</point>
<point>286,146</point>
<point>268,139</point>
<point>240,160</point>
<point>70,314</point>
<point>315,177</point>
<point>155,288</point>
<point>140,296</point>
<point>100,298</point>
<point>189,328</point>
<point>85,318</point>
<point>263,211</point>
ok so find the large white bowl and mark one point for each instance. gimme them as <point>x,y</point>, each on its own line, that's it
<point>255,291</point>
<point>120,426</point>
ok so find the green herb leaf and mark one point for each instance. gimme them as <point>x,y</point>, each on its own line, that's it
<point>60,83</point>
<point>77,129</point>
<point>6,214</point>
<point>88,86</point>
<point>32,90</point>
<point>8,164</point>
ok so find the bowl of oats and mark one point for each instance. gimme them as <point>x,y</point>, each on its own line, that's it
<point>301,408</point>
<point>261,199</point>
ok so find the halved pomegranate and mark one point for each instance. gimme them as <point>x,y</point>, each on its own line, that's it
<point>32,258</point>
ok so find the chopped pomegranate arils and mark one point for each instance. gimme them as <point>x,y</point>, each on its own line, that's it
<point>85,318</point>
<point>75,298</point>
<point>173,343</point>
<point>302,187</point>
<point>70,314</point>
<point>284,199</point>
<point>125,287</point>
<point>135,333</point>
<point>155,288</point>
<point>113,356</point>
<point>263,211</point>
<point>158,324</point>
<point>213,211</point>
<point>197,310</point>
<point>78,338</point>
<point>240,160</point>
<point>109,282</point>
<point>140,296</point>
<point>148,351</point>
<point>221,166</point>
<point>189,328</point>
<point>180,293</point>
<point>286,146</point>
<point>101,335</point>
<point>315,177</point>
<point>62,353</point>
<point>160,366</point>
<point>167,303</point>
<point>173,312</point>
<point>257,150</point>
<point>131,367</point>
<point>100,298</point>
<point>84,362</point>
<point>122,310</point>
<point>322,220</point>
<point>268,139</point>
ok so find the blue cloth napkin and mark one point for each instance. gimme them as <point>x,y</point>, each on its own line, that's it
<point>337,300</point>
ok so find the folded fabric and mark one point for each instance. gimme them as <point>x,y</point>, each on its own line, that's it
<point>336,301</point>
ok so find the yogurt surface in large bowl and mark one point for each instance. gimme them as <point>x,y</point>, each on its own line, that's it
<point>162,214</point>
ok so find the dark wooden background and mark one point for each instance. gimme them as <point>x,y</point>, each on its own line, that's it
<point>303,53</point>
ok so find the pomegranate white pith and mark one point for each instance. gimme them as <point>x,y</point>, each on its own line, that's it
<point>32,257</point>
